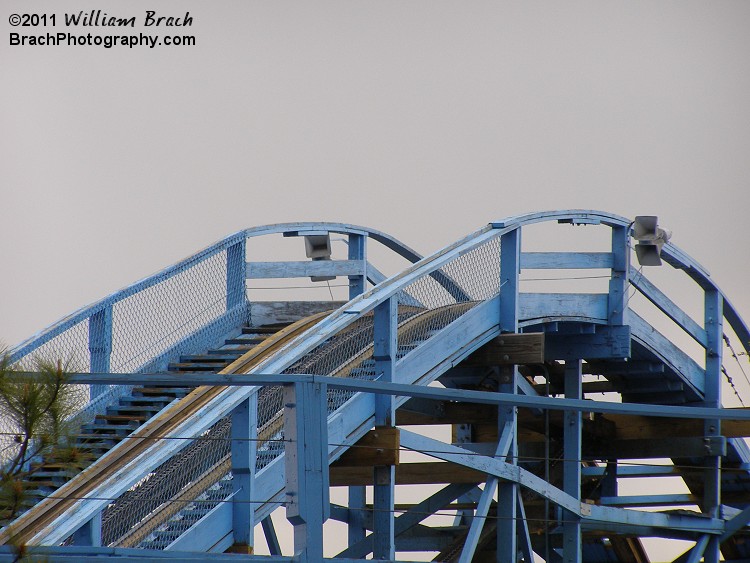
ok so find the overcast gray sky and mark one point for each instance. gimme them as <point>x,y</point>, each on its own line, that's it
<point>421,119</point>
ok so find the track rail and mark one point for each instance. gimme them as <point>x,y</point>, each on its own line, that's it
<point>45,512</point>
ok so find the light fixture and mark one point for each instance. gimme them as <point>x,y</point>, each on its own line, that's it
<point>318,247</point>
<point>650,239</point>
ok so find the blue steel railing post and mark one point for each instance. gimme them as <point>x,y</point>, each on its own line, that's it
<point>508,493</point>
<point>572,550</point>
<point>236,274</point>
<point>384,354</point>
<point>713,319</point>
<point>618,283</point>
<point>100,346</point>
<point>306,464</point>
<point>357,251</point>
<point>244,448</point>
<point>357,494</point>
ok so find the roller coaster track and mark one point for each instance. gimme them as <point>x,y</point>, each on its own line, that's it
<point>162,424</point>
<point>447,309</point>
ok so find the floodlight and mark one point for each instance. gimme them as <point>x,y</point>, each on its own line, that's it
<point>650,239</point>
<point>318,247</point>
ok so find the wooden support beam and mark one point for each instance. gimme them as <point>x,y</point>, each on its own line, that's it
<point>510,349</point>
<point>378,447</point>
<point>408,474</point>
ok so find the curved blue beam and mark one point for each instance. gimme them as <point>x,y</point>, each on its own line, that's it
<point>50,332</point>
<point>672,254</point>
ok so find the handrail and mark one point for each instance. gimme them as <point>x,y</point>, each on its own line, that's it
<point>45,335</point>
<point>305,342</point>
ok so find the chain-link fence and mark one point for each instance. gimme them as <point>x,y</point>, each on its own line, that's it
<point>426,306</point>
<point>190,305</point>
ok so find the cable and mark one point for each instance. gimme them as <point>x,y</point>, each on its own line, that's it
<point>734,355</point>
<point>300,286</point>
<point>731,383</point>
<point>565,278</point>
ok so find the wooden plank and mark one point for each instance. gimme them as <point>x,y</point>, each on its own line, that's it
<point>510,349</point>
<point>272,270</point>
<point>668,307</point>
<point>544,307</point>
<point>566,260</point>
<point>378,447</point>
<point>609,342</point>
<point>408,474</point>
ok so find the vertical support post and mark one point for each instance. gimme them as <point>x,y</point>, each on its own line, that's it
<point>713,321</point>
<point>572,463</point>
<point>90,534</point>
<point>507,493</point>
<point>236,274</point>
<point>609,481</point>
<point>357,496</point>
<point>306,455</point>
<point>462,434</point>
<point>357,251</point>
<point>244,435</point>
<point>384,354</point>
<point>618,283</point>
<point>100,346</point>
<point>357,508</point>
<point>510,267</point>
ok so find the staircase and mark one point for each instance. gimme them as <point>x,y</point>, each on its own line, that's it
<point>107,430</point>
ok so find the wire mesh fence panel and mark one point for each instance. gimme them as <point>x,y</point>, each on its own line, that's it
<point>426,306</point>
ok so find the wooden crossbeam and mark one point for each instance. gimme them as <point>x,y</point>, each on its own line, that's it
<point>510,349</point>
<point>408,474</point>
<point>378,447</point>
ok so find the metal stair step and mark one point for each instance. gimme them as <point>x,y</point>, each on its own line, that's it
<point>208,358</point>
<point>161,391</point>
<point>245,339</point>
<point>116,419</point>
<point>195,366</point>
<point>110,429</point>
<point>147,410</point>
<point>145,401</point>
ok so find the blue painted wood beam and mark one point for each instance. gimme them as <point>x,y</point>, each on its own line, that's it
<point>411,517</point>
<point>618,283</point>
<point>572,549</point>
<point>235,261</point>
<point>607,343</point>
<point>278,270</point>
<point>306,464</point>
<point>600,515</point>
<point>713,322</point>
<point>507,438</point>
<point>385,346</point>
<point>566,260</point>
<point>244,435</point>
<point>507,416</point>
<point>648,500</point>
<point>357,252</point>
<point>408,390</point>
<point>535,308</point>
<point>668,307</point>
<point>100,346</point>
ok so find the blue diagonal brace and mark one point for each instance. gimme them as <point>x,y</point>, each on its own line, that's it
<point>477,523</point>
